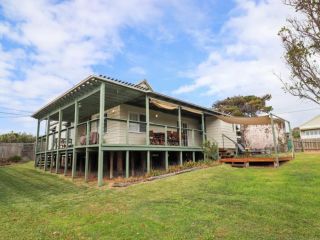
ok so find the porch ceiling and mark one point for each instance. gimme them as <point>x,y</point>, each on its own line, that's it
<point>88,94</point>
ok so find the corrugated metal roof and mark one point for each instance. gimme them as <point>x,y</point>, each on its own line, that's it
<point>92,82</point>
<point>311,124</point>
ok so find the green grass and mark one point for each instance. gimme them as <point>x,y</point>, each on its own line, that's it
<point>214,203</point>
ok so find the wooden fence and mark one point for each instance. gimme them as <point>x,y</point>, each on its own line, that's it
<point>307,145</point>
<point>24,150</point>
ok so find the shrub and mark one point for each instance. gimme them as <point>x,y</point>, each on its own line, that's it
<point>211,150</point>
<point>14,159</point>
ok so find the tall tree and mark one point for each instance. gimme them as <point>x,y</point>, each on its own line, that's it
<point>244,106</point>
<point>301,41</point>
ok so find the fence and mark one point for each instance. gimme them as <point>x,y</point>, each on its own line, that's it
<point>24,150</point>
<point>307,145</point>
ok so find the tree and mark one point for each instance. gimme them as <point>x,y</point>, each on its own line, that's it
<point>301,41</point>
<point>244,106</point>
<point>13,137</point>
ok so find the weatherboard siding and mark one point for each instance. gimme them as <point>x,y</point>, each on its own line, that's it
<point>216,127</point>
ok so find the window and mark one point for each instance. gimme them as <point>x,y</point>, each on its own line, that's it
<point>138,124</point>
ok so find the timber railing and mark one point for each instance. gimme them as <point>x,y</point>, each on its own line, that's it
<point>121,132</point>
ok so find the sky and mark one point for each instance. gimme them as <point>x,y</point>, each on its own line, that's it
<point>196,50</point>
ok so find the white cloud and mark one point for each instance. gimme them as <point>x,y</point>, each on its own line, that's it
<point>249,59</point>
<point>138,70</point>
<point>60,42</point>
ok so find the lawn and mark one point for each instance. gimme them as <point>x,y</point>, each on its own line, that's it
<point>214,203</point>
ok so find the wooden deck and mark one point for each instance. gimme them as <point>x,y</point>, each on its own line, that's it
<point>245,161</point>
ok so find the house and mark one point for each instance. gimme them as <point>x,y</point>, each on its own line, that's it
<point>107,128</point>
<point>310,129</point>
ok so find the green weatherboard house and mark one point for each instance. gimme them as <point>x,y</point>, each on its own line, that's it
<point>104,128</point>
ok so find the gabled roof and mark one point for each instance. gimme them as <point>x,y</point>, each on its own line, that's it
<point>144,83</point>
<point>311,124</point>
<point>92,82</point>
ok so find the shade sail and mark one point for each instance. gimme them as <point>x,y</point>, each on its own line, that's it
<point>263,120</point>
<point>192,110</point>
<point>163,104</point>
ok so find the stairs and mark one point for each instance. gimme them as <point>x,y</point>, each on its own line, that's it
<point>226,153</point>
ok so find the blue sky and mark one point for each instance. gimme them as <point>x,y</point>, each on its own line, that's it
<point>199,51</point>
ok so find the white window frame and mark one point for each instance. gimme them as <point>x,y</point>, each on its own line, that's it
<point>138,130</point>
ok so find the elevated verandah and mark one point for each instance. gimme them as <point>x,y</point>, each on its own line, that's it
<point>84,123</point>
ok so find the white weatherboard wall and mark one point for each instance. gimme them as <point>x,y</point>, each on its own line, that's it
<point>116,130</point>
<point>216,127</point>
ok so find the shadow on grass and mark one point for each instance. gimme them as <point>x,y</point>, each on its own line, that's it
<point>21,183</point>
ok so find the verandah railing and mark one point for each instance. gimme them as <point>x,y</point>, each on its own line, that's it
<point>121,132</point>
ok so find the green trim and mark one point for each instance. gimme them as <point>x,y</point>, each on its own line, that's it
<point>149,148</point>
<point>179,123</point>
<point>74,156</point>
<point>181,158</point>
<point>86,167</point>
<point>127,164</point>
<point>101,130</point>
<point>47,143</point>
<point>166,160</point>
<point>148,162</point>
<point>193,156</point>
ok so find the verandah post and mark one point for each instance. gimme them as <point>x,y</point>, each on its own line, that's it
<point>101,133</point>
<point>74,155</point>
<point>86,166</point>
<point>148,162</point>
<point>181,158</point>
<point>47,144</point>
<point>274,142</point>
<point>66,156</point>
<point>203,128</point>
<point>147,121</point>
<point>58,142</point>
<point>179,124</point>
<point>167,160</point>
<point>127,164</point>
<point>193,156</point>
<point>291,138</point>
<point>36,144</point>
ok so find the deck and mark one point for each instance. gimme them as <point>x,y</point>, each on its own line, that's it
<point>245,161</point>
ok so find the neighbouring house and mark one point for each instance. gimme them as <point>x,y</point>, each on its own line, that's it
<point>108,128</point>
<point>310,129</point>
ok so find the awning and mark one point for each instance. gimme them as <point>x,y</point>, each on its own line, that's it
<point>264,120</point>
<point>163,104</point>
<point>172,106</point>
<point>192,110</point>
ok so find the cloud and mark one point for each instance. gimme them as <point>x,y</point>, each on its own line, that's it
<point>249,58</point>
<point>138,71</point>
<point>54,44</point>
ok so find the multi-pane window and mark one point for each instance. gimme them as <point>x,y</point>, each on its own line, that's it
<point>138,122</point>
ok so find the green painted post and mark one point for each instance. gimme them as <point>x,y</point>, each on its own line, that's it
<point>47,144</point>
<point>74,155</point>
<point>58,142</point>
<point>86,167</point>
<point>36,146</point>
<point>148,162</point>
<point>127,132</point>
<point>101,132</point>
<point>193,156</point>
<point>111,164</point>
<point>203,128</point>
<point>181,158</point>
<point>179,123</point>
<point>291,138</point>
<point>147,121</point>
<point>88,133</point>
<point>166,135</point>
<point>193,142</point>
<point>127,164</point>
<point>167,160</point>
<point>274,142</point>
<point>66,157</point>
